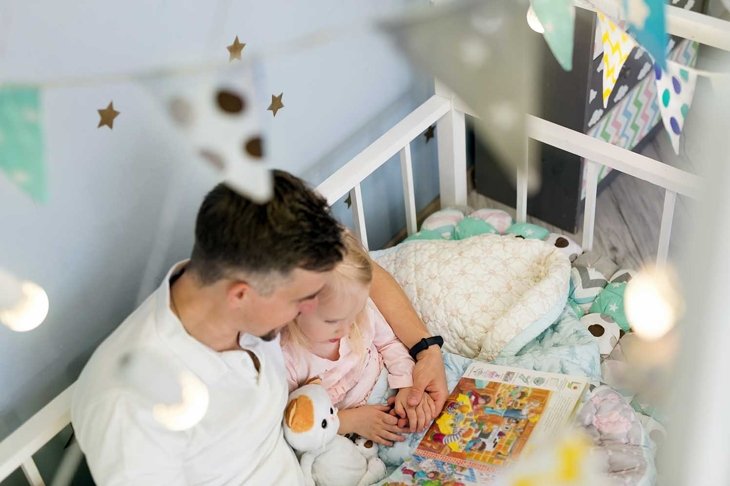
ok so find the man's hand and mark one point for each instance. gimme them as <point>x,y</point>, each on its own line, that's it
<point>419,416</point>
<point>372,422</point>
<point>429,376</point>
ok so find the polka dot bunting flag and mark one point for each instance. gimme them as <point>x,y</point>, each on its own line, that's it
<point>219,115</point>
<point>675,90</point>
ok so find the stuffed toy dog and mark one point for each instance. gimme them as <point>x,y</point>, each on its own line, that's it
<point>327,459</point>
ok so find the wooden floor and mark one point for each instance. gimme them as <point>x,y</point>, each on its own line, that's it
<point>628,214</point>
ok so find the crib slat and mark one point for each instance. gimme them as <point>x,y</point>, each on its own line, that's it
<point>670,199</point>
<point>451,140</point>
<point>521,206</point>
<point>358,214</point>
<point>31,472</point>
<point>521,197</point>
<point>409,195</point>
<point>589,216</point>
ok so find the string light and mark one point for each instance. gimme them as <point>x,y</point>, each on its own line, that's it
<point>653,303</point>
<point>178,398</point>
<point>534,22</point>
<point>23,304</point>
<point>190,410</point>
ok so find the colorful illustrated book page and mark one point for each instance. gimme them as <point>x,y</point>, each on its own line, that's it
<point>493,413</point>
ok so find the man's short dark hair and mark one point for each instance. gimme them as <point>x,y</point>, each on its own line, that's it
<point>294,229</point>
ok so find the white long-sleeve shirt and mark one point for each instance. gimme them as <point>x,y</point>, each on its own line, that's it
<point>238,441</point>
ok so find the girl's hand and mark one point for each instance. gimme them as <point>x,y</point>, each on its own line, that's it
<point>372,422</point>
<point>419,416</point>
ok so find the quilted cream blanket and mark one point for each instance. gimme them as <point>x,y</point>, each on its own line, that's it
<point>487,295</point>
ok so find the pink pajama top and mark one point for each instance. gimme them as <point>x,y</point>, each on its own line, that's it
<point>350,379</point>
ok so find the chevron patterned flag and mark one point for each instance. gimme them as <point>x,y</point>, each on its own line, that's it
<point>558,19</point>
<point>617,45</point>
<point>638,112</point>
<point>675,89</point>
<point>647,25</point>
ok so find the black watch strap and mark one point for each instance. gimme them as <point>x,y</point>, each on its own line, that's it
<point>425,343</point>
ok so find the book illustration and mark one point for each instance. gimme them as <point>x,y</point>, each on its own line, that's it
<point>420,471</point>
<point>575,385</point>
<point>484,423</point>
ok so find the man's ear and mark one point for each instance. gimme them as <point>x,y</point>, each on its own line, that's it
<point>237,292</point>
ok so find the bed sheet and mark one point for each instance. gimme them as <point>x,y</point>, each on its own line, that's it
<point>566,347</point>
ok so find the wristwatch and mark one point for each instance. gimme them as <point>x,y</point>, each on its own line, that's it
<point>425,343</point>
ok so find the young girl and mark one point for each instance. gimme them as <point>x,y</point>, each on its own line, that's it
<point>345,342</point>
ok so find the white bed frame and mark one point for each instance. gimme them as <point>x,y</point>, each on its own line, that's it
<point>448,113</point>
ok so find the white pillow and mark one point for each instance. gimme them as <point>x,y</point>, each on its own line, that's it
<point>483,292</point>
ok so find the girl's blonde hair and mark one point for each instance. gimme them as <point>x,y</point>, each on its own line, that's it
<point>356,266</point>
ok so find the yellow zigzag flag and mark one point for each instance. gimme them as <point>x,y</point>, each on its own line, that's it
<point>617,45</point>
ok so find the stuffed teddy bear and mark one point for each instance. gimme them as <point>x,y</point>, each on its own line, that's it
<point>327,459</point>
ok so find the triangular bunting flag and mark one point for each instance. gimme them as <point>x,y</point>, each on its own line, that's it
<point>485,53</point>
<point>558,19</point>
<point>21,140</point>
<point>675,90</point>
<point>617,45</point>
<point>647,25</point>
<point>219,115</point>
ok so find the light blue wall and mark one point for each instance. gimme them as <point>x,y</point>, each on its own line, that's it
<point>89,247</point>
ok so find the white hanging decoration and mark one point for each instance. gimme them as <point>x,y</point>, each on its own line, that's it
<point>653,302</point>
<point>219,117</point>
<point>177,397</point>
<point>23,304</point>
<point>460,43</point>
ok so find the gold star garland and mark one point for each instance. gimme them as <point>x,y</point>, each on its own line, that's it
<point>235,50</point>
<point>107,116</point>
<point>276,103</point>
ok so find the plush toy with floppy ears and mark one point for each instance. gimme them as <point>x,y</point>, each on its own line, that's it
<point>327,459</point>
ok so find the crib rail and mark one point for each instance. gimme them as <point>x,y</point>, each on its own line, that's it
<point>597,152</point>
<point>17,450</point>
<point>452,162</point>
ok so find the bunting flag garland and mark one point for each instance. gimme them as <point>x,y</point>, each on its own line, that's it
<point>647,24</point>
<point>617,45</point>
<point>219,115</point>
<point>21,140</point>
<point>558,19</point>
<point>460,44</point>
<point>675,90</point>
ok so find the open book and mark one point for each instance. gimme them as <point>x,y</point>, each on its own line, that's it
<point>493,413</point>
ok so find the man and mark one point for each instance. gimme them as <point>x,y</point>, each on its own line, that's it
<point>253,268</point>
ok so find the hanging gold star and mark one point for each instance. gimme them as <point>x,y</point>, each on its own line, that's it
<point>348,201</point>
<point>107,116</point>
<point>235,50</point>
<point>429,133</point>
<point>276,103</point>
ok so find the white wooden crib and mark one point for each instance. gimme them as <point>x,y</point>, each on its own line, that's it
<point>448,113</point>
